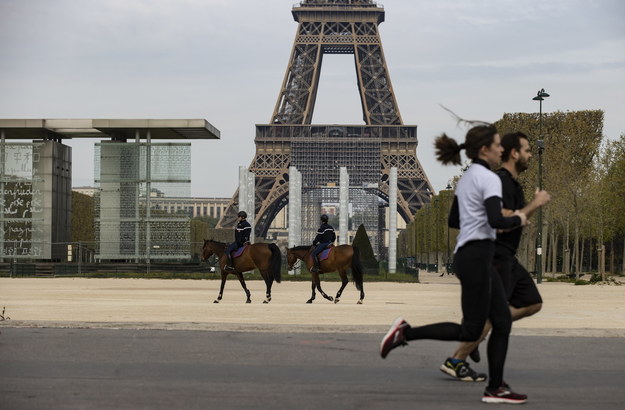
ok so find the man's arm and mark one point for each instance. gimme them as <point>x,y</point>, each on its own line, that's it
<point>541,198</point>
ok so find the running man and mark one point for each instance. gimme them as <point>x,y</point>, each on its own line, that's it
<point>521,291</point>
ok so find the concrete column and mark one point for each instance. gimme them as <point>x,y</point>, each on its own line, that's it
<point>251,203</point>
<point>295,211</point>
<point>148,195</point>
<point>392,226</point>
<point>137,194</point>
<point>247,182</point>
<point>343,206</point>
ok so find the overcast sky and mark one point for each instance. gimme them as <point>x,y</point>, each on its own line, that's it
<point>224,61</point>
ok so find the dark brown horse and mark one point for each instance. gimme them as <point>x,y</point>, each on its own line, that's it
<point>341,258</point>
<point>265,257</point>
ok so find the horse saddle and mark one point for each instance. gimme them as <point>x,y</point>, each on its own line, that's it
<point>325,254</point>
<point>240,251</point>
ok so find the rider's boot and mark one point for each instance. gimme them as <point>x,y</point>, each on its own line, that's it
<point>229,265</point>
<point>315,268</point>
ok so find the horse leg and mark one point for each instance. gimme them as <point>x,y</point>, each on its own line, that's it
<point>318,284</point>
<point>344,282</point>
<point>268,283</point>
<point>247,292</point>
<point>221,289</point>
<point>362,296</point>
<point>313,292</point>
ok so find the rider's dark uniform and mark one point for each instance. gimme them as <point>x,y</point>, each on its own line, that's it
<point>242,233</point>
<point>325,236</point>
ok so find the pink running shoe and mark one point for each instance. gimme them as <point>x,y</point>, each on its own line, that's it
<point>394,337</point>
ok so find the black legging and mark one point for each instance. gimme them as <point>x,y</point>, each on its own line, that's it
<point>483,298</point>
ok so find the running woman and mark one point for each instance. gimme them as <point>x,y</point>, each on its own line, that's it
<point>477,212</point>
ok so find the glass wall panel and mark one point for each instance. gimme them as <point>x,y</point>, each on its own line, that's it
<point>128,178</point>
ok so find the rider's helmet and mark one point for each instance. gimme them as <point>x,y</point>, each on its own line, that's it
<point>242,214</point>
<point>324,218</point>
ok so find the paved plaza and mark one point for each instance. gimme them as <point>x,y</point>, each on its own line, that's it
<point>164,344</point>
<point>590,310</point>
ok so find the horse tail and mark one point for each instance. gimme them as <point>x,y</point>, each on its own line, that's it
<point>275,264</point>
<point>357,268</point>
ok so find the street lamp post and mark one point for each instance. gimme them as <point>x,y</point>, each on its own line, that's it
<point>540,96</point>
<point>429,221</point>
<point>425,259</point>
<point>436,230</point>
<point>448,188</point>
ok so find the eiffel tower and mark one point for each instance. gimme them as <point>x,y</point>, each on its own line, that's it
<point>368,151</point>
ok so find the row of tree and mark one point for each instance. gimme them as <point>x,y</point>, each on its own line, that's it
<point>583,226</point>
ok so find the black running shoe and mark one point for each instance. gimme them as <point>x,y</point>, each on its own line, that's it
<point>394,337</point>
<point>462,371</point>
<point>475,355</point>
<point>503,395</point>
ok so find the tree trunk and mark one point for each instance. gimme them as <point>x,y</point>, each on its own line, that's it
<point>566,253</point>
<point>528,250</point>
<point>623,258</point>
<point>554,249</point>
<point>580,269</point>
<point>532,250</point>
<point>554,253</point>
<point>612,256</point>
<point>602,262</point>
<point>590,253</point>
<point>576,250</point>
<point>543,247</point>
<point>548,250</point>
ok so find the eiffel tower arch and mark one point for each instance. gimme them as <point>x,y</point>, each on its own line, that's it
<point>368,151</point>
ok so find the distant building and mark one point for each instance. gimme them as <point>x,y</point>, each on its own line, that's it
<point>197,206</point>
<point>213,207</point>
<point>36,181</point>
<point>85,190</point>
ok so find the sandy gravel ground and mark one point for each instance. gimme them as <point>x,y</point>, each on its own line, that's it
<point>568,310</point>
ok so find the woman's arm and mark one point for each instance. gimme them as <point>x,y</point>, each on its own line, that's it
<point>497,220</point>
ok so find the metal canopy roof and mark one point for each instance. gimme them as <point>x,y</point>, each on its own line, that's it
<point>165,129</point>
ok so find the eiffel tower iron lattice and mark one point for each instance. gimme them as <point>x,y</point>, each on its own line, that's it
<point>368,151</point>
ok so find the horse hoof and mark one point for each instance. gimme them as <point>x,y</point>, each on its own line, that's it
<point>309,301</point>
<point>359,302</point>
<point>265,301</point>
<point>248,301</point>
<point>336,301</point>
<point>330,298</point>
<point>215,301</point>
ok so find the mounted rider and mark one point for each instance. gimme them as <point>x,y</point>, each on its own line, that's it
<point>325,236</point>
<point>242,233</point>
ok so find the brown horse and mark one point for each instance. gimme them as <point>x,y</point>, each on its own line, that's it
<point>265,257</point>
<point>341,258</point>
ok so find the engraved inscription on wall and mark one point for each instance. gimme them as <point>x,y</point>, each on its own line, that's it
<point>21,201</point>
